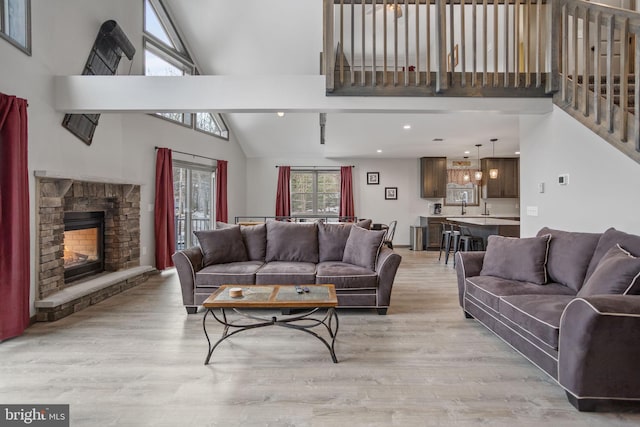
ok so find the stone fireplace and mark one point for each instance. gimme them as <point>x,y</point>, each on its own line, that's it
<point>116,241</point>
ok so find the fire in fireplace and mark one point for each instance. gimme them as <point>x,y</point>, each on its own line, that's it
<point>83,244</point>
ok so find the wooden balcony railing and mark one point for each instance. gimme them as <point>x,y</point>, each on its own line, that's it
<point>599,59</point>
<point>437,47</point>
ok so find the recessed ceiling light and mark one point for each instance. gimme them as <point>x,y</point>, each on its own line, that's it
<point>517,152</point>
<point>467,152</point>
<point>438,139</point>
<point>378,151</point>
<point>406,127</point>
<point>280,113</point>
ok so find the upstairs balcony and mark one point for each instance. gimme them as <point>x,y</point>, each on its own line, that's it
<point>582,54</point>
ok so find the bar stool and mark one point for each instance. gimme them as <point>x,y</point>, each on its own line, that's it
<point>445,238</point>
<point>452,244</point>
<point>469,242</point>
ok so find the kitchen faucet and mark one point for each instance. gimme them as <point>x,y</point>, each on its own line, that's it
<point>464,204</point>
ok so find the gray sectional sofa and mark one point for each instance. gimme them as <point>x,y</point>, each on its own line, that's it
<point>351,257</point>
<point>569,302</point>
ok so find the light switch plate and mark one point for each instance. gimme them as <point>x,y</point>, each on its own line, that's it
<point>541,187</point>
<point>563,179</point>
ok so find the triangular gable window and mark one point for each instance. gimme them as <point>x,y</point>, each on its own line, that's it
<point>153,26</point>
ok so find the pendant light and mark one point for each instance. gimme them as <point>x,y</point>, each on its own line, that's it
<point>493,173</point>
<point>478,174</point>
<point>466,177</point>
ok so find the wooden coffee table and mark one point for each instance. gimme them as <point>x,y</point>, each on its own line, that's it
<point>276,297</point>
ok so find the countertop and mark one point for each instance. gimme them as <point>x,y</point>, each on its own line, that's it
<point>475,216</point>
<point>490,221</point>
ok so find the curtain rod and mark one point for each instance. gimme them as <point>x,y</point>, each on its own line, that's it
<point>313,167</point>
<point>190,154</point>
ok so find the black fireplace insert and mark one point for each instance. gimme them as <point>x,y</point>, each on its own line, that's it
<point>83,244</point>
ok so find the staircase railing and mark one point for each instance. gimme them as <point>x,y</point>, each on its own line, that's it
<point>428,47</point>
<point>599,64</point>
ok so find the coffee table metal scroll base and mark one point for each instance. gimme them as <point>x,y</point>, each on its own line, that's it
<point>302,322</point>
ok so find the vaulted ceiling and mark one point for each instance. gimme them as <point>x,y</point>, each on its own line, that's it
<point>284,37</point>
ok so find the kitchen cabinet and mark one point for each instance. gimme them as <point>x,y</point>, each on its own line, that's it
<point>434,233</point>
<point>433,177</point>
<point>507,185</point>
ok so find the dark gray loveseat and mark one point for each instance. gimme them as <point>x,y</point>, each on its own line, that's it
<point>566,301</point>
<point>348,256</point>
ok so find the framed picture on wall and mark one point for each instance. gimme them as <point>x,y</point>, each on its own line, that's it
<point>391,193</point>
<point>373,178</point>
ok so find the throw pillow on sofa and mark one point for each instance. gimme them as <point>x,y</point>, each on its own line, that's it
<point>569,256</point>
<point>291,241</point>
<point>618,273</point>
<point>221,246</point>
<point>332,238</point>
<point>255,239</point>
<point>522,259</point>
<point>362,247</point>
<point>608,240</point>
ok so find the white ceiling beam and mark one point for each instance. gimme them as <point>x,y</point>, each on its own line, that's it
<point>254,94</point>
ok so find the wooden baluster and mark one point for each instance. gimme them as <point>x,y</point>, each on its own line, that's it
<point>485,74</point>
<point>585,61</point>
<point>395,43</point>
<point>441,81</point>
<point>539,43</point>
<point>624,79</point>
<point>406,43</point>
<point>574,83</point>
<point>417,72</point>
<point>565,52</point>
<point>452,43</point>
<point>329,53</point>
<point>362,39</point>
<point>610,36</point>
<point>495,43</point>
<point>596,69</point>
<point>636,94</point>
<point>463,50</point>
<point>341,52</point>
<point>428,42</point>
<point>474,43</point>
<point>374,73</point>
<point>384,43</point>
<point>527,45</point>
<point>352,67</point>
<point>516,44</point>
<point>506,44</point>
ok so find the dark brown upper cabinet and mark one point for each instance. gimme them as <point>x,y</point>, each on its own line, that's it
<point>507,184</point>
<point>433,177</point>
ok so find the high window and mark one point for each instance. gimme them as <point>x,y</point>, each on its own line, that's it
<point>15,23</point>
<point>315,192</point>
<point>165,54</point>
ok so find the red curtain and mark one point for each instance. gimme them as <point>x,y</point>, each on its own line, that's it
<point>222,213</point>
<point>15,254</point>
<point>283,193</point>
<point>165,227</point>
<point>346,192</point>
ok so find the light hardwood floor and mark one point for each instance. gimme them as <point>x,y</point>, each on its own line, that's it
<point>137,360</point>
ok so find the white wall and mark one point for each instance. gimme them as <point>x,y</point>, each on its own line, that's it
<point>123,145</point>
<point>602,190</point>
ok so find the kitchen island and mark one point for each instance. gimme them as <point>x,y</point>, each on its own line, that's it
<point>487,226</point>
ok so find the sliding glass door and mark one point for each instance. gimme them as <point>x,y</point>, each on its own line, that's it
<point>193,189</point>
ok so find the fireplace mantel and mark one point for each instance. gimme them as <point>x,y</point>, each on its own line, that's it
<point>85,178</point>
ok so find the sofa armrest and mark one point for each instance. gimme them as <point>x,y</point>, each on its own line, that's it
<point>386,266</point>
<point>188,262</point>
<point>468,264</point>
<point>599,348</point>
